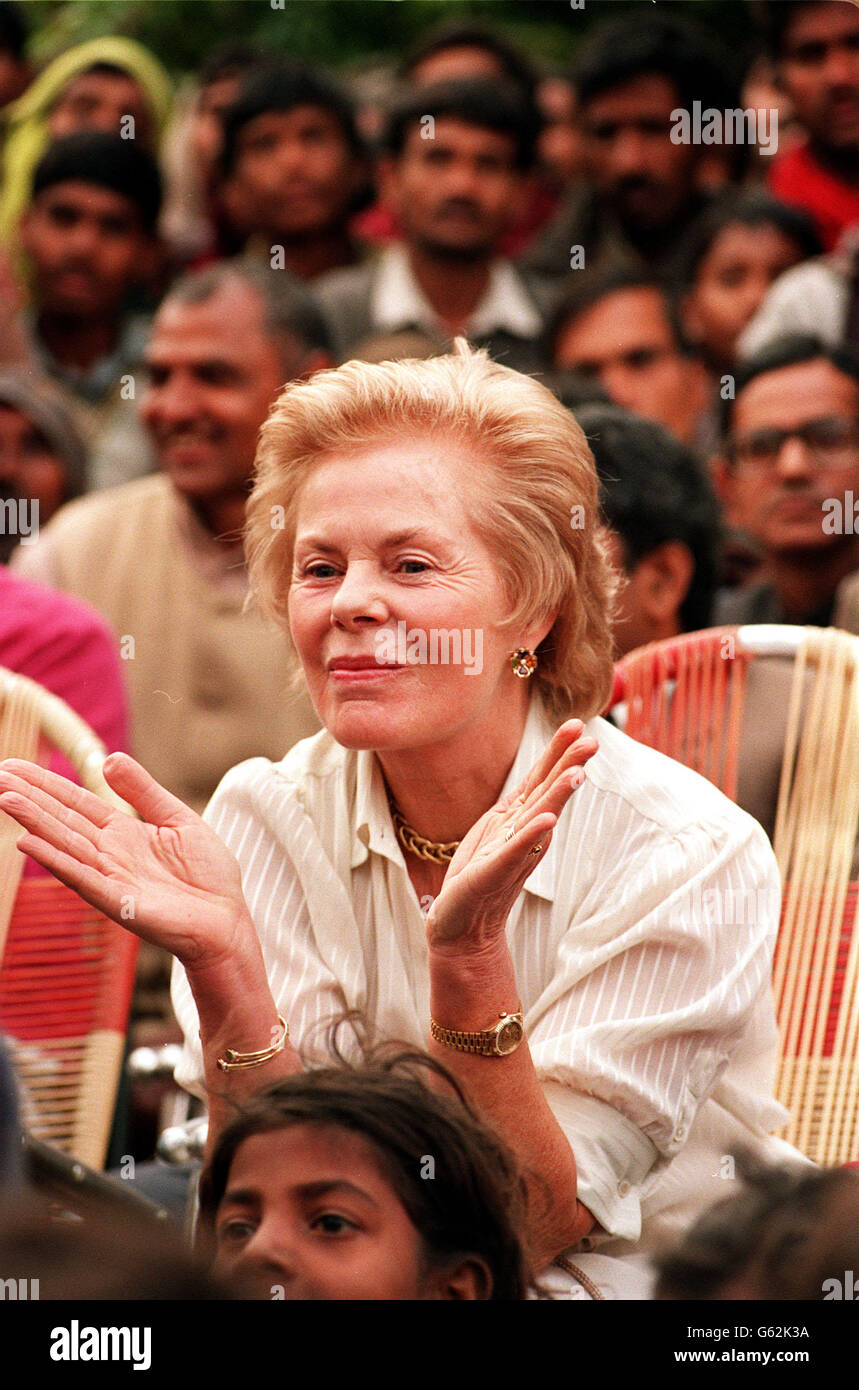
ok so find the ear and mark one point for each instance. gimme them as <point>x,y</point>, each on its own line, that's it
<point>664,578</point>
<point>468,1278</point>
<point>536,634</point>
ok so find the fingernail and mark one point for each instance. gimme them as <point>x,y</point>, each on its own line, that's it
<point>577,777</point>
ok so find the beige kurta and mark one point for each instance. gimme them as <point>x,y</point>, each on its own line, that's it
<point>209,684</point>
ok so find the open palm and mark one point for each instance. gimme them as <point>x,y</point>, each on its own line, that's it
<point>167,877</point>
<point>489,869</point>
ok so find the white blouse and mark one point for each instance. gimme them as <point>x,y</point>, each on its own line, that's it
<point>642,945</point>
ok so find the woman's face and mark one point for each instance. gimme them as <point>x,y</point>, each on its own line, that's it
<point>395,602</point>
<point>308,1214</point>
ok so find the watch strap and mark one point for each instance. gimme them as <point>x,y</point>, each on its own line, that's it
<point>481,1043</point>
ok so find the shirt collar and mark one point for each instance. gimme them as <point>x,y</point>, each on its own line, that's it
<point>96,382</point>
<point>372,823</point>
<point>398,302</point>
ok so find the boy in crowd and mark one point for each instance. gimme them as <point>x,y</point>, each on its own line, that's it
<point>620,329</point>
<point>89,236</point>
<point>292,170</point>
<point>459,155</point>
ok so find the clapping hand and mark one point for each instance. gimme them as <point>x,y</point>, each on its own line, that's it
<point>167,877</point>
<point>489,869</point>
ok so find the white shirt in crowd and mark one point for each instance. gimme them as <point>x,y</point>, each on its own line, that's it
<point>642,945</point>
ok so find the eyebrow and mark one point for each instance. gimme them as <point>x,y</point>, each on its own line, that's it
<point>411,533</point>
<point>247,1195</point>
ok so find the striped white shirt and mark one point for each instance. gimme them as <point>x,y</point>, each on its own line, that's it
<point>642,945</point>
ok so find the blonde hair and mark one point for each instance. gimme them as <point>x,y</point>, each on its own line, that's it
<point>534,502</point>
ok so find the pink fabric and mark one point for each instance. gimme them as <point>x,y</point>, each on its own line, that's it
<point>64,645</point>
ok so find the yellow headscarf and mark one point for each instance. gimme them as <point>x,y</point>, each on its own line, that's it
<point>28,136</point>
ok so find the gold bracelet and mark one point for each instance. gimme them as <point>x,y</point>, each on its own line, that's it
<point>233,1061</point>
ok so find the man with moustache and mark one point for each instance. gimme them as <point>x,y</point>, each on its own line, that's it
<point>642,190</point>
<point>455,175</point>
<point>161,557</point>
<point>790,447</point>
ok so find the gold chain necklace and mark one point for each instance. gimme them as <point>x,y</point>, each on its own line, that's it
<point>416,844</point>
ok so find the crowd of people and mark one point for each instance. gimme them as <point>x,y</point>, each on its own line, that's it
<point>286,369</point>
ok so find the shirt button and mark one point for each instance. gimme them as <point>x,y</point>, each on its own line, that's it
<point>622,1188</point>
<point>679,1134</point>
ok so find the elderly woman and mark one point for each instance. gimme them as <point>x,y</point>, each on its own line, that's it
<point>428,531</point>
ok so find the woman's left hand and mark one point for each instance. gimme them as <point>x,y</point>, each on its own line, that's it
<point>489,869</point>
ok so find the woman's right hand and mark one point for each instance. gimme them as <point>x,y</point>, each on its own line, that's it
<point>167,877</point>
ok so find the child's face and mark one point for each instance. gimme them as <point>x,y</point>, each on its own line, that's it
<point>732,279</point>
<point>308,1214</point>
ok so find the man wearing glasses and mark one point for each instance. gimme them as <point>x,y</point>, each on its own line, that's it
<point>790,451</point>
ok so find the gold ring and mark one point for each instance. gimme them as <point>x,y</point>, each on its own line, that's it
<point>536,849</point>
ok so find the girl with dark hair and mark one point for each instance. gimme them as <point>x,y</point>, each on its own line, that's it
<point>363,1183</point>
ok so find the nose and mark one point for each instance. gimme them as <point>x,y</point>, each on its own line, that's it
<point>628,152</point>
<point>359,601</point>
<point>268,1259</point>
<point>290,156</point>
<point>620,385</point>
<point>172,401</point>
<point>794,461</point>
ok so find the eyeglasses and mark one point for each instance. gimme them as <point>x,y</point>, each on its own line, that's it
<point>832,441</point>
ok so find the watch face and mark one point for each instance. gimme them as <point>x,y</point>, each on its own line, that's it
<point>509,1037</point>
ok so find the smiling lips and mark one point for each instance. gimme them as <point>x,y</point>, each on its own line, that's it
<point>346,668</point>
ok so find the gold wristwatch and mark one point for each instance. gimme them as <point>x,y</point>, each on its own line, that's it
<point>498,1041</point>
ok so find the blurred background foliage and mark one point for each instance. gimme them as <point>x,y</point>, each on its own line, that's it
<point>350,34</point>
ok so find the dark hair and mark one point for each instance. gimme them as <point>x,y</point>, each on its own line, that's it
<point>747,209</point>
<point>104,159</point>
<point>281,87</point>
<point>653,490</point>
<point>292,313</point>
<point>590,287</point>
<point>784,1234</point>
<point>676,49</point>
<point>488,104</point>
<point>775,18</point>
<point>788,350</point>
<point>475,1203</point>
<point>574,389</point>
<point>14,29</point>
<point>228,60</point>
<point>465,34</point>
